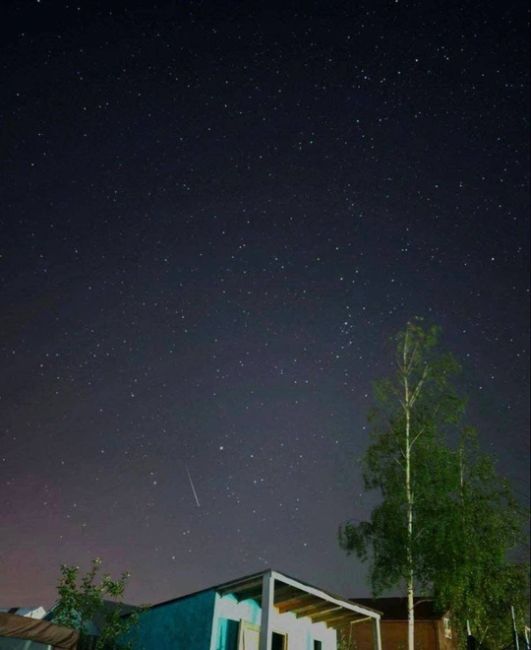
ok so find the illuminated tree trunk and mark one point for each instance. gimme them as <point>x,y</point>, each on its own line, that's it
<point>411,394</point>
<point>409,500</point>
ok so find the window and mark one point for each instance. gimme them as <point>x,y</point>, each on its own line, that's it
<point>279,641</point>
<point>228,634</point>
<point>317,645</point>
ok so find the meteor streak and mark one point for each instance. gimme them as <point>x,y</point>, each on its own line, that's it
<point>193,487</point>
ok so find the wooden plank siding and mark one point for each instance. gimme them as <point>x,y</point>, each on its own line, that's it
<point>429,635</point>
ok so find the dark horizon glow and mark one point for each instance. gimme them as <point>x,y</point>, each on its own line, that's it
<point>215,216</point>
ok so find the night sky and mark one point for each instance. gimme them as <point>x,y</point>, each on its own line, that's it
<point>214,217</point>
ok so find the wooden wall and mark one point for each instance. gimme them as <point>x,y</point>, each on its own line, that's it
<point>429,635</point>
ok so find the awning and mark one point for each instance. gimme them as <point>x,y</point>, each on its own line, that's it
<point>21,627</point>
<point>294,596</point>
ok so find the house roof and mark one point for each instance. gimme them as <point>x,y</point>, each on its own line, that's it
<point>108,606</point>
<point>22,627</point>
<point>295,596</point>
<point>395,609</point>
<point>93,626</point>
<point>30,612</point>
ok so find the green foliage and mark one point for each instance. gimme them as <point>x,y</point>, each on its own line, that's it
<point>82,600</point>
<point>465,519</point>
<point>478,582</point>
<point>434,405</point>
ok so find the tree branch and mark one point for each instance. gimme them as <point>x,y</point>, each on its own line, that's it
<point>419,386</point>
<point>412,358</point>
<point>398,463</point>
<point>416,438</point>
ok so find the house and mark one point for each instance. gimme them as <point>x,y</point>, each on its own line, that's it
<point>30,612</point>
<point>433,630</point>
<point>26,633</point>
<point>263,611</point>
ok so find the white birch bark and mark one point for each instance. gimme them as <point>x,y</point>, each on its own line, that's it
<point>409,397</point>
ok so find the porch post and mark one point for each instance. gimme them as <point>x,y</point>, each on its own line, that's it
<point>268,592</point>
<point>376,635</point>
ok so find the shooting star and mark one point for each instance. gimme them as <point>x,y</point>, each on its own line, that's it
<point>193,487</point>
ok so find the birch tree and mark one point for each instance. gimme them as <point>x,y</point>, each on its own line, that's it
<point>412,467</point>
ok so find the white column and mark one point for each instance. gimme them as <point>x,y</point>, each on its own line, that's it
<point>377,638</point>
<point>215,625</point>
<point>268,593</point>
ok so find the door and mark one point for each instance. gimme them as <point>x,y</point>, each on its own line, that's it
<point>249,636</point>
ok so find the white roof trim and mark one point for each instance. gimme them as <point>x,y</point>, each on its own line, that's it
<point>324,596</point>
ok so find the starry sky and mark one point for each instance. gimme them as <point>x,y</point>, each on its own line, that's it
<point>214,217</point>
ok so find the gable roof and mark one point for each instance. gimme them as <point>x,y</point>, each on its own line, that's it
<point>291,595</point>
<point>251,577</point>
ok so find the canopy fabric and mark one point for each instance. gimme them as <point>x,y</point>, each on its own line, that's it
<point>21,627</point>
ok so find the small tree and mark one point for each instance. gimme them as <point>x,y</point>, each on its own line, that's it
<point>410,465</point>
<point>82,599</point>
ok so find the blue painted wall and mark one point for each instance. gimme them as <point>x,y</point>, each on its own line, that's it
<point>227,634</point>
<point>185,624</point>
<point>229,612</point>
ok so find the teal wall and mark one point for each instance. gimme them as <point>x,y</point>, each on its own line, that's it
<point>185,624</point>
<point>227,634</point>
<point>229,612</point>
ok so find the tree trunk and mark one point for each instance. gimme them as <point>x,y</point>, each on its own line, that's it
<point>409,501</point>
<point>410,580</point>
<point>410,614</point>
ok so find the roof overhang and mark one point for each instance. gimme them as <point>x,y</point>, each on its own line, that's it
<point>301,599</point>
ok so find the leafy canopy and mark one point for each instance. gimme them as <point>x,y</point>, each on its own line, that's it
<point>434,406</point>
<point>82,601</point>
<point>478,581</point>
<point>466,522</point>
